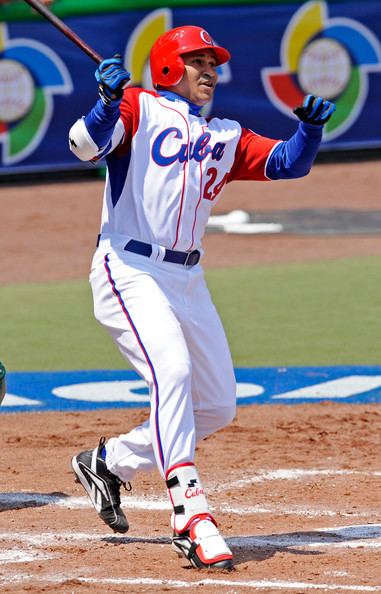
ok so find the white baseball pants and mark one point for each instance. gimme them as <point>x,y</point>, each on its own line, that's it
<point>162,318</point>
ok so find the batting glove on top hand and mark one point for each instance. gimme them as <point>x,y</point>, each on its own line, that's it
<point>112,79</point>
<point>315,110</point>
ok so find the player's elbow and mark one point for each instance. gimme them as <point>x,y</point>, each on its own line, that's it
<point>80,142</point>
<point>298,170</point>
<point>293,171</point>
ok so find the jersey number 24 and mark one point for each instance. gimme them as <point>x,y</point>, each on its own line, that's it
<point>211,190</point>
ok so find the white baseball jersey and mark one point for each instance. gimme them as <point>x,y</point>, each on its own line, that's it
<point>168,172</point>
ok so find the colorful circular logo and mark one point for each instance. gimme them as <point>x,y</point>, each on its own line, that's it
<point>327,57</point>
<point>30,74</point>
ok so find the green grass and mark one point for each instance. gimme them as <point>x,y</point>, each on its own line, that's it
<point>326,313</point>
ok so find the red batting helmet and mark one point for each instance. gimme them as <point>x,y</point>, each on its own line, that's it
<point>167,65</point>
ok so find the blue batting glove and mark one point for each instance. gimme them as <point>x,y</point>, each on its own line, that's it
<point>112,79</point>
<point>315,110</point>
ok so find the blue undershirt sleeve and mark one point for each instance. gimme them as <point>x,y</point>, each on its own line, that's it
<point>100,122</point>
<point>294,157</point>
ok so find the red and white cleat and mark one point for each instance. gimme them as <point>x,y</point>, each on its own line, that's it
<point>204,546</point>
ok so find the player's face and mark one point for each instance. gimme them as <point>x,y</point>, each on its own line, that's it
<point>200,77</point>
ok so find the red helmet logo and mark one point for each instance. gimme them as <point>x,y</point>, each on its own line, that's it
<point>206,37</point>
<point>167,65</point>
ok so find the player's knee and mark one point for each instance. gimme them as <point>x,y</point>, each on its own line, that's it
<point>228,402</point>
<point>174,375</point>
<point>180,373</point>
<point>226,415</point>
<point>218,418</point>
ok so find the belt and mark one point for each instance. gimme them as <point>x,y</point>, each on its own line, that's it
<point>145,249</point>
<point>174,256</point>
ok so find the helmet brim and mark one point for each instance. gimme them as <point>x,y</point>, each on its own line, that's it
<point>222,54</point>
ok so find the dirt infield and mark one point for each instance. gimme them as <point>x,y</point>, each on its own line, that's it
<point>296,489</point>
<point>49,231</point>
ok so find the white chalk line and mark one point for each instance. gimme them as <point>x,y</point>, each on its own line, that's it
<point>218,583</point>
<point>296,510</point>
<point>292,474</point>
<point>142,502</point>
<point>23,556</point>
<point>364,536</point>
<point>7,500</point>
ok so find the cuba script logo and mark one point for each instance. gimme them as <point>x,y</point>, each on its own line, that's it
<point>192,490</point>
<point>166,149</point>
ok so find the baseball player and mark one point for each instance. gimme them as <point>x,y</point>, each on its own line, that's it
<point>166,168</point>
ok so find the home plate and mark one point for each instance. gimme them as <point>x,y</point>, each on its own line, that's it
<point>239,221</point>
<point>252,228</point>
<point>235,216</point>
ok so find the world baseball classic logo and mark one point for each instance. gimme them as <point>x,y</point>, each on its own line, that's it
<point>30,75</point>
<point>327,57</point>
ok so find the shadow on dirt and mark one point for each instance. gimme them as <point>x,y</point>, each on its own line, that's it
<point>260,548</point>
<point>21,500</point>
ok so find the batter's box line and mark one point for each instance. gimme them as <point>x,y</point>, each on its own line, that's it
<point>363,535</point>
<point>293,474</point>
<point>217,583</point>
<point>14,501</point>
<point>20,500</point>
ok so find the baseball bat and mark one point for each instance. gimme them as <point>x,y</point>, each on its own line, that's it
<point>69,33</point>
